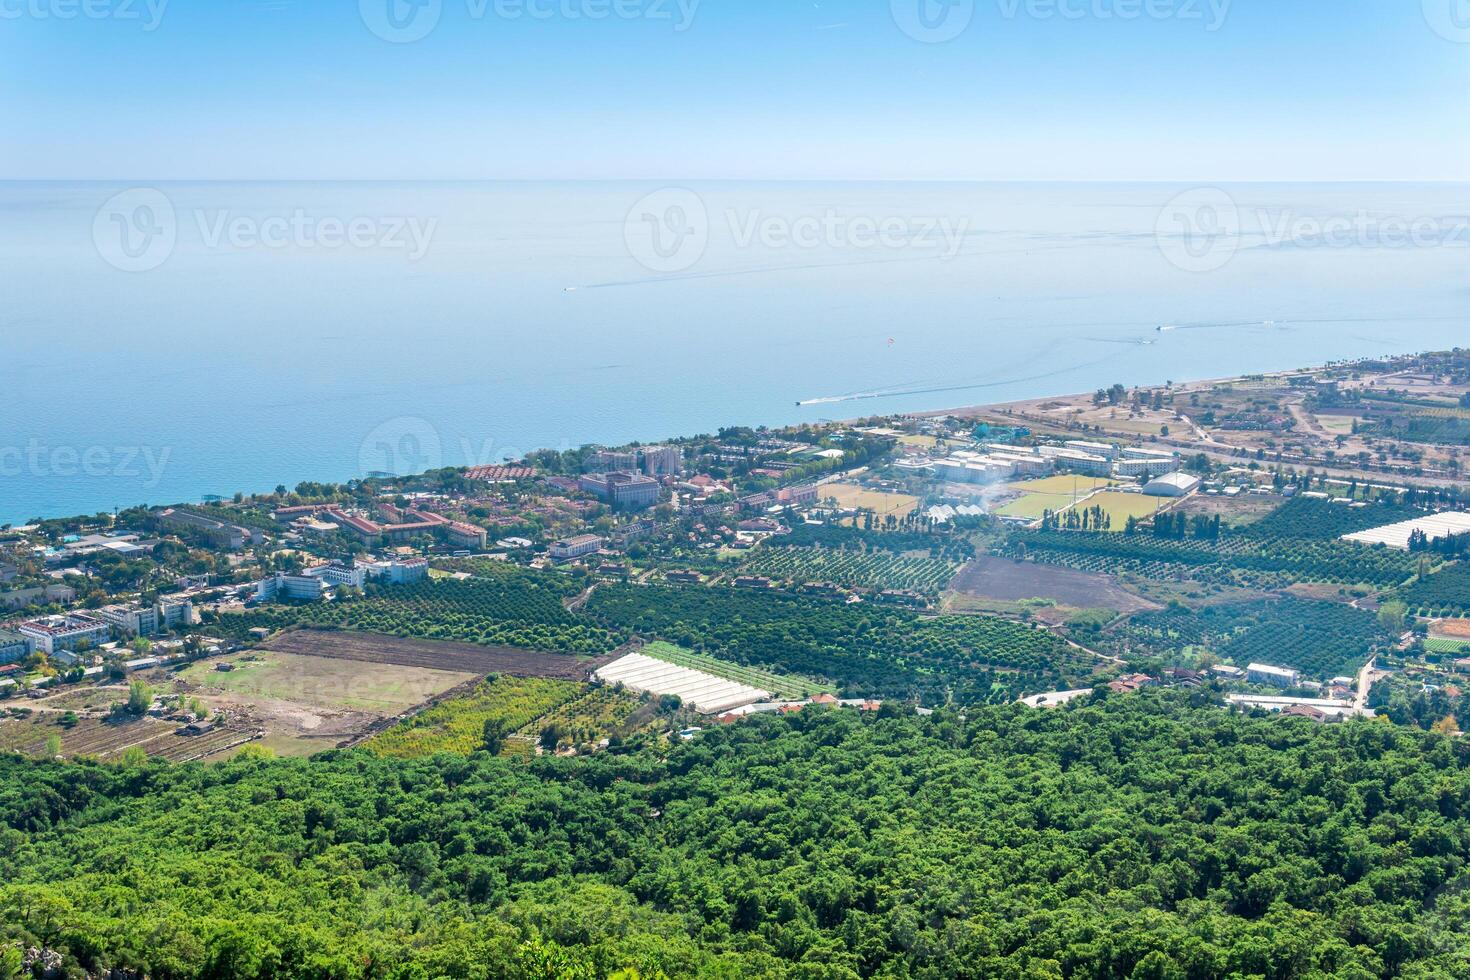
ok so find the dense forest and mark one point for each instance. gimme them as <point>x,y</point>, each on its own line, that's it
<point>1143,837</point>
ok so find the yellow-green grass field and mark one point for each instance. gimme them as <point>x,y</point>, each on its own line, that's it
<point>1121,506</point>
<point>325,682</point>
<point>1338,425</point>
<point>881,503</point>
<point>1053,493</point>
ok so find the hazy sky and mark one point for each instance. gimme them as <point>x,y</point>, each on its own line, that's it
<point>468,89</point>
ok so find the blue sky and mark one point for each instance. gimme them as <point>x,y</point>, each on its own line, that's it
<point>739,89</point>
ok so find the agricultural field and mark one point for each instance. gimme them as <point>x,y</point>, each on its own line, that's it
<point>879,502</point>
<point>599,712</point>
<point>326,682</point>
<point>781,685</point>
<point>1397,535</point>
<point>514,611</point>
<point>1005,580</point>
<point>1321,639</point>
<point>107,740</point>
<point>1447,645</point>
<point>877,570</point>
<point>1246,559</point>
<point>706,693</point>
<point>458,725</point>
<point>867,650</point>
<point>1338,425</point>
<point>1446,592</point>
<point>899,542</point>
<point>370,648</point>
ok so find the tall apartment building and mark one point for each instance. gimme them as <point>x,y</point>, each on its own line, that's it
<point>166,614</point>
<point>662,460</point>
<point>609,460</point>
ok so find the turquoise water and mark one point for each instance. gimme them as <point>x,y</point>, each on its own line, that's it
<point>237,343</point>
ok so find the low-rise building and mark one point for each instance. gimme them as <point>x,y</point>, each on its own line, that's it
<point>461,535</point>
<point>218,533</point>
<point>1268,674</point>
<point>622,490</point>
<point>798,496</point>
<point>1078,461</point>
<point>628,533</point>
<point>1145,467</point>
<point>13,647</point>
<point>1172,485</point>
<point>39,595</point>
<point>66,632</point>
<point>580,546</point>
<point>399,572</point>
<point>295,588</point>
<point>337,574</point>
<point>1104,449</point>
<point>130,620</point>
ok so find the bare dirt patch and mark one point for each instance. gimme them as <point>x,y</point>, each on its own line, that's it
<point>1011,581</point>
<point>374,648</point>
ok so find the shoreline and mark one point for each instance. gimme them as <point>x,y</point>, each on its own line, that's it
<point>961,411</point>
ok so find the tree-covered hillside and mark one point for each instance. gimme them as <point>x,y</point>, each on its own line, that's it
<point>1139,837</point>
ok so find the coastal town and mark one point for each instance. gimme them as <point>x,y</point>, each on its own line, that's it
<point>1289,543</point>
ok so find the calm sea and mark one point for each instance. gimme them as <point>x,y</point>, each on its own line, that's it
<point>167,342</point>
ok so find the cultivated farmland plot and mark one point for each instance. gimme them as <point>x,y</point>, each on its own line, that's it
<point>104,740</point>
<point>880,570</point>
<point>1397,535</point>
<point>706,692</point>
<point>470,658</point>
<point>782,685</point>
